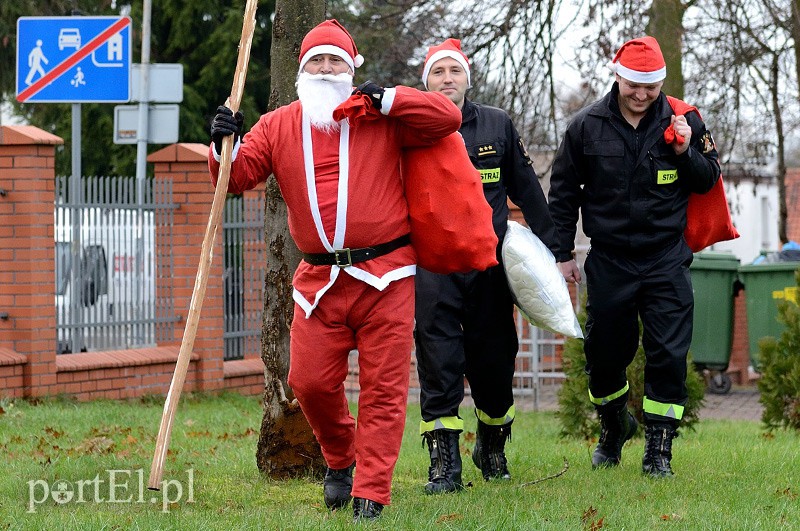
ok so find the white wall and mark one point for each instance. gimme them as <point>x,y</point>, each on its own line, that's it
<point>754,209</point>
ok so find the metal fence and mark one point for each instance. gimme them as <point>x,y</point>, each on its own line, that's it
<point>111,253</point>
<point>245,266</point>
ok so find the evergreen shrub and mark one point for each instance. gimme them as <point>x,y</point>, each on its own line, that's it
<point>780,370</point>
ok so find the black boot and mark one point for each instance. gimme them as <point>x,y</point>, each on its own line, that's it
<point>658,450</point>
<point>489,452</point>
<point>364,509</point>
<point>444,474</point>
<point>617,426</point>
<point>336,487</point>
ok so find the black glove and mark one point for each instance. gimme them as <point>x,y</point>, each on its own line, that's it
<point>226,123</point>
<point>373,90</point>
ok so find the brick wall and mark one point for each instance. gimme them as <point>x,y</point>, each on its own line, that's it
<point>27,258</point>
<point>28,363</point>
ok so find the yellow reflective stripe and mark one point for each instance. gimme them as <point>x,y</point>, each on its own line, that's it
<point>671,411</point>
<point>442,423</point>
<point>500,421</point>
<point>606,399</point>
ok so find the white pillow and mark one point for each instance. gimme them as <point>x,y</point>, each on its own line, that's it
<point>538,287</point>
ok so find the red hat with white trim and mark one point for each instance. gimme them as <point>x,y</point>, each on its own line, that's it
<point>332,38</point>
<point>640,60</point>
<point>449,48</point>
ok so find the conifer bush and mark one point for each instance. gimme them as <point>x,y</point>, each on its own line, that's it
<point>780,370</point>
<point>577,415</point>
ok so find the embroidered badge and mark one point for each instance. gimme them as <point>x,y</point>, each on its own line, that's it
<point>488,149</point>
<point>707,142</point>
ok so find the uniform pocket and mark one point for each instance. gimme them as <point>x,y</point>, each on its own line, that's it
<point>487,158</point>
<point>604,159</point>
<point>663,180</point>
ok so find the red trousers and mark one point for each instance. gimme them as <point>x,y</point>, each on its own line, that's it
<point>354,315</point>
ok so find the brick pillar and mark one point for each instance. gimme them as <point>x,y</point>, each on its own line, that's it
<point>739,365</point>
<point>27,253</point>
<point>186,165</point>
<point>792,198</point>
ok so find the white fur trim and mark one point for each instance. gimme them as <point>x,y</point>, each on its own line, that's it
<point>639,77</point>
<point>441,54</point>
<point>358,60</point>
<point>388,100</point>
<point>235,151</point>
<point>380,283</point>
<point>333,50</point>
<point>309,307</point>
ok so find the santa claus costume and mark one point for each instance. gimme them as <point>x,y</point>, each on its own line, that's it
<point>344,193</point>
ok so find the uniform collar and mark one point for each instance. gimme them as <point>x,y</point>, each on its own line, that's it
<point>469,111</point>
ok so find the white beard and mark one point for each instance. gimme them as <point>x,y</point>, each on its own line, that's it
<point>320,94</point>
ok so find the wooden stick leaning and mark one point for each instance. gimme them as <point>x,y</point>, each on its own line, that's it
<point>201,281</point>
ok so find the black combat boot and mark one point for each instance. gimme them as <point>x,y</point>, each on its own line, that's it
<point>364,509</point>
<point>336,487</point>
<point>658,450</point>
<point>489,452</point>
<point>444,474</point>
<point>617,425</point>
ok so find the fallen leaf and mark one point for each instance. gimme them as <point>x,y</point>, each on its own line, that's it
<point>95,445</point>
<point>53,432</point>
<point>448,518</point>
<point>588,514</point>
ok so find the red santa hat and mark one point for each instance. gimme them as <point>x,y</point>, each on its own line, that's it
<point>449,48</point>
<point>332,38</point>
<point>640,60</point>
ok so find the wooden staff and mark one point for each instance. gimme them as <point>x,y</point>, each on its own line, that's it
<point>189,333</point>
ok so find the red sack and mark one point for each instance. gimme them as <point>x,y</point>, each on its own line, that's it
<point>708,218</point>
<point>451,222</point>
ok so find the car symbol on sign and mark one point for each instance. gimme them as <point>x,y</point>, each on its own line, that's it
<point>69,38</point>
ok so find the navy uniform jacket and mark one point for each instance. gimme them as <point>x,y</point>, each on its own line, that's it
<point>495,149</point>
<point>630,186</point>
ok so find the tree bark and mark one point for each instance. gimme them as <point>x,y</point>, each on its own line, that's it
<point>286,446</point>
<point>665,23</point>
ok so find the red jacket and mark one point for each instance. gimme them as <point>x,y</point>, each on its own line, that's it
<point>370,208</point>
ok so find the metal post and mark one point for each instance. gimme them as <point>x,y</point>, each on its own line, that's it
<point>76,215</point>
<point>141,163</point>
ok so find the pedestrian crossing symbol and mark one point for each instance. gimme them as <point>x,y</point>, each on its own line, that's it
<point>73,59</point>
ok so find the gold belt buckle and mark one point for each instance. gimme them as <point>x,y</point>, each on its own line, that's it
<point>343,258</point>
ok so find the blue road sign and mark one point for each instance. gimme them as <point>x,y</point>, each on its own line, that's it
<point>73,59</point>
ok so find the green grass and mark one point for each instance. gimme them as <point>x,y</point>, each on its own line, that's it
<point>730,475</point>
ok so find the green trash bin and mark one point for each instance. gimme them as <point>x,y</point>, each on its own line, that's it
<point>713,278</point>
<point>765,285</point>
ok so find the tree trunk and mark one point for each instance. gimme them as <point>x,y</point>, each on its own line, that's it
<point>781,148</point>
<point>286,446</point>
<point>665,23</point>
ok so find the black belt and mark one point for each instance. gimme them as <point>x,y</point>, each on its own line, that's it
<point>348,257</point>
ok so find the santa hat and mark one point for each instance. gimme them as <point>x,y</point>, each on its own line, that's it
<point>640,60</point>
<point>330,37</point>
<point>449,48</point>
